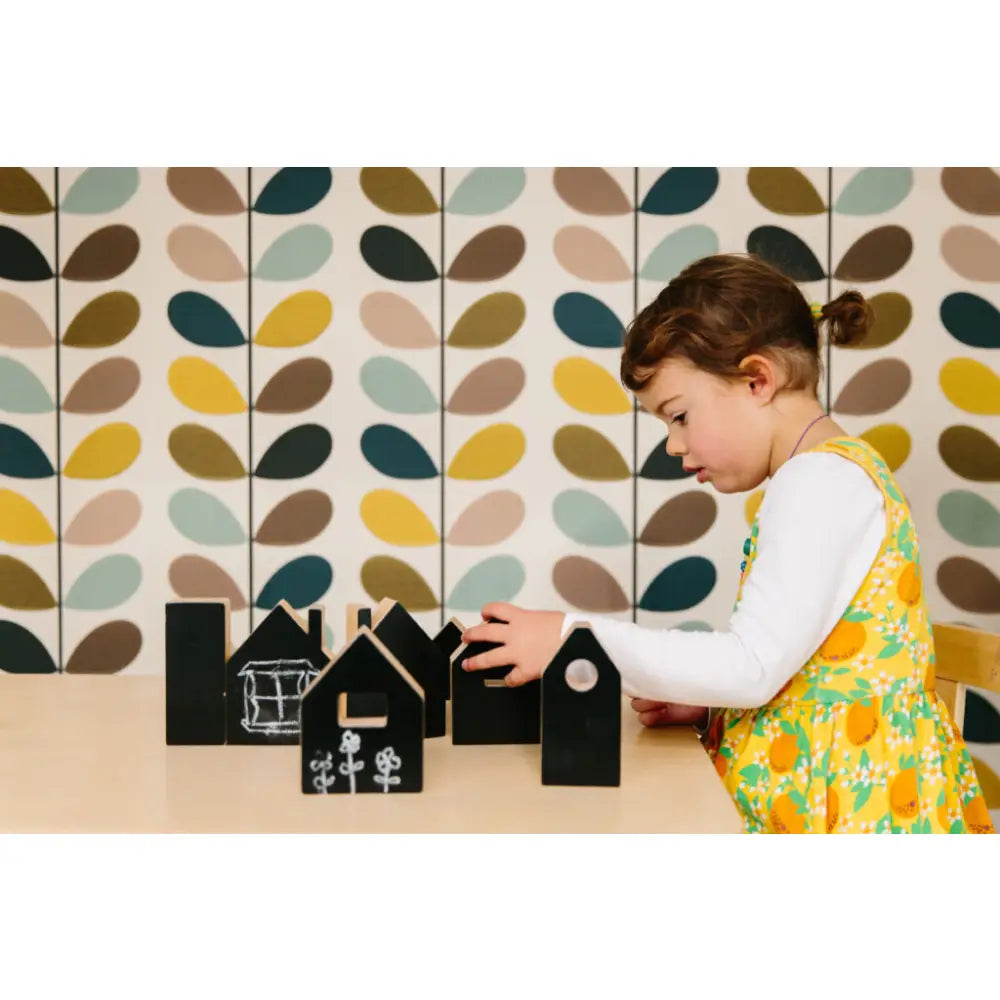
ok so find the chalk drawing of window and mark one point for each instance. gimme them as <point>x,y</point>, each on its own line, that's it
<point>272,690</point>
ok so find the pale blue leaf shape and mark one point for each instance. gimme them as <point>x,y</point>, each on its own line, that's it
<point>969,518</point>
<point>588,520</point>
<point>874,190</point>
<point>101,189</point>
<point>487,189</point>
<point>203,518</point>
<point>694,626</point>
<point>111,581</point>
<point>297,254</point>
<point>396,387</point>
<point>677,250</point>
<point>498,578</point>
<point>328,636</point>
<point>21,391</point>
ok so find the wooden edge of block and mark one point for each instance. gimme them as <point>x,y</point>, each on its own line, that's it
<point>351,626</point>
<point>381,610</point>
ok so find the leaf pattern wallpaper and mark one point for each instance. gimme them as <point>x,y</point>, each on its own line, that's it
<point>335,385</point>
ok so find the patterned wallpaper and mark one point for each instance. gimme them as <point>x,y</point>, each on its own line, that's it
<point>333,386</point>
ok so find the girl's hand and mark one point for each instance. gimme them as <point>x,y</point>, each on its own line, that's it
<point>528,641</point>
<point>667,713</point>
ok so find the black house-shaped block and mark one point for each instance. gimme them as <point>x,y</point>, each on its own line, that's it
<point>363,724</point>
<point>448,640</point>
<point>197,645</point>
<point>419,656</point>
<point>266,676</point>
<point>581,714</point>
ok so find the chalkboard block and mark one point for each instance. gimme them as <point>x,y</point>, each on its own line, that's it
<point>419,656</point>
<point>196,646</point>
<point>485,710</point>
<point>581,714</point>
<point>362,724</point>
<point>448,640</point>
<point>266,676</point>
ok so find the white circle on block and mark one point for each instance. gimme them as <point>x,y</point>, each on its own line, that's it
<point>581,675</point>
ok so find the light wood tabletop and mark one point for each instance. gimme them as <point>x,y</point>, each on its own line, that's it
<point>87,754</point>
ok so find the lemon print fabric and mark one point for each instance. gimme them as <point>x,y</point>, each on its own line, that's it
<point>858,740</point>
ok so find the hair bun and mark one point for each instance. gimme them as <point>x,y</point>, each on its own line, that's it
<point>850,317</point>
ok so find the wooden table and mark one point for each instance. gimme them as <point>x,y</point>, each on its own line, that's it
<point>87,754</point>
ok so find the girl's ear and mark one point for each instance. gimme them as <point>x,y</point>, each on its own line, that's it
<point>761,376</point>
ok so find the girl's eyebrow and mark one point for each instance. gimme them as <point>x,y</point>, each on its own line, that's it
<point>665,403</point>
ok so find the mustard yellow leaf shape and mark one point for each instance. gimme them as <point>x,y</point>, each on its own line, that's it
<point>21,522</point>
<point>396,519</point>
<point>203,387</point>
<point>490,453</point>
<point>589,387</point>
<point>295,321</point>
<point>106,452</point>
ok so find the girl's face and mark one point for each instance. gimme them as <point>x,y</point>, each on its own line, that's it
<point>718,428</point>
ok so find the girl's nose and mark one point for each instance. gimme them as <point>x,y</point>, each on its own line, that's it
<point>674,446</point>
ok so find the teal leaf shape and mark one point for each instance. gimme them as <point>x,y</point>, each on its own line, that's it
<point>969,518</point>
<point>498,578</point>
<point>20,259</point>
<point>110,582</point>
<point>785,251</point>
<point>294,189</point>
<point>203,518</point>
<point>301,582</point>
<point>22,652</point>
<point>660,465</point>
<point>101,189</point>
<point>982,720</point>
<point>393,452</point>
<point>20,457</point>
<point>396,387</point>
<point>200,320</point>
<point>296,453</point>
<point>589,520</point>
<point>874,190</point>
<point>487,189</point>
<point>588,321</point>
<point>297,254</point>
<point>971,320</point>
<point>675,251</point>
<point>680,586</point>
<point>21,391</point>
<point>679,190</point>
<point>396,255</point>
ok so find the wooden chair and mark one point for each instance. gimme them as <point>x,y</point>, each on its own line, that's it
<point>964,657</point>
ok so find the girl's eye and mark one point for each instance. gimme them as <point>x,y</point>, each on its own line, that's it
<point>678,419</point>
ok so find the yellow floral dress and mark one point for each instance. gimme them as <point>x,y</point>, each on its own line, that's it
<point>857,741</point>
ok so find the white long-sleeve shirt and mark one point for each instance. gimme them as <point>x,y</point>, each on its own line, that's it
<point>822,522</point>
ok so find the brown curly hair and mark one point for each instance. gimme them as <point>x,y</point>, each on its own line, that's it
<point>722,308</point>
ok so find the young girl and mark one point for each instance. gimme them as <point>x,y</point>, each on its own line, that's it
<point>832,723</point>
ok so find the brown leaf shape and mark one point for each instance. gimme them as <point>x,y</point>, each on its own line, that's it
<point>682,519</point>
<point>489,322</point>
<point>970,453</point>
<point>201,452</point>
<point>204,190</point>
<point>21,194</point>
<point>588,586</point>
<point>893,313</point>
<point>969,585</point>
<point>386,576</point>
<point>105,387</point>
<point>20,324</point>
<point>201,254</point>
<point>877,255</point>
<point>589,454</point>
<point>194,577</point>
<point>588,255</point>
<point>489,255</point>
<point>397,190</point>
<point>105,519</point>
<point>591,190</point>
<point>298,518</point>
<point>974,189</point>
<point>396,322</point>
<point>971,253</point>
<point>103,255</point>
<point>876,388</point>
<point>111,647</point>
<point>488,520</point>
<point>297,387</point>
<point>104,321</point>
<point>785,191</point>
<point>22,588</point>
<point>489,388</point>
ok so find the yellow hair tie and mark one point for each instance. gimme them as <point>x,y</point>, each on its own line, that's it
<point>817,309</point>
